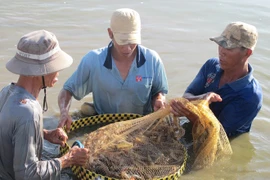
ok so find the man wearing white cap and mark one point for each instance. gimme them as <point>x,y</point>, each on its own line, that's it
<point>227,82</point>
<point>38,61</point>
<point>124,77</point>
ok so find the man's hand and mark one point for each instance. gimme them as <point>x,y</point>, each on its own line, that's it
<point>159,102</point>
<point>211,97</point>
<point>76,156</point>
<point>64,102</point>
<point>65,120</point>
<point>179,109</point>
<point>56,136</point>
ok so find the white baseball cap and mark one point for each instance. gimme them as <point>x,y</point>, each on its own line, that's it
<point>126,26</point>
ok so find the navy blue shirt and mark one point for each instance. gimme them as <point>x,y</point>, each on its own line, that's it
<point>241,99</point>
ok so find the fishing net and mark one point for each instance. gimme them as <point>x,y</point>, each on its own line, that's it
<point>150,147</point>
<point>210,141</point>
<point>143,148</point>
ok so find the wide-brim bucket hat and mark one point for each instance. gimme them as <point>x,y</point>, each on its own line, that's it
<point>38,53</point>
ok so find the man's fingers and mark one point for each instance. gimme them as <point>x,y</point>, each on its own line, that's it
<point>62,140</point>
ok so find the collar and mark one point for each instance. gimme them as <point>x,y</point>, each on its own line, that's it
<point>140,59</point>
<point>242,82</point>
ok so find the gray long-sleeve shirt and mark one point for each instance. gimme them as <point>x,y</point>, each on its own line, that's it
<point>21,137</point>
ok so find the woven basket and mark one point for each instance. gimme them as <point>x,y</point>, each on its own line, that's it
<point>85,174</point>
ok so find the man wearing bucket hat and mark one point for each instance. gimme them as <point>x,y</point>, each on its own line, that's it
<point>124,77</point>
<point>227,82</point>
<point>38,61</point>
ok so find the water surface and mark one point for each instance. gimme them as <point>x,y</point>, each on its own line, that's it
<point>178,30</point>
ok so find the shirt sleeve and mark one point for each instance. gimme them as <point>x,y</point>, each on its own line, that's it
<point>26,161</point>
<point>78,84</point>
<point>160,82</point>
<point>237,117</point>
<point>197,86</point>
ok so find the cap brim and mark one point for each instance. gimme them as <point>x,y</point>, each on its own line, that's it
<point>223,42</point>
<point>127,38</point>
<point>22,67</point>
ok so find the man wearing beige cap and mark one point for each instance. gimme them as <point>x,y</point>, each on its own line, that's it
<point>124,77</point>
<point>38,61</point>
<point>227,82</point>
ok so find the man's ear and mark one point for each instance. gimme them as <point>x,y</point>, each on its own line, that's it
<point>249,52</point>
<point>110,33</point>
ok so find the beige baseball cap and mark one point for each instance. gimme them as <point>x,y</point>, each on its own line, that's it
<point>126,26</point>
<point>38,53</point>
<point>238,34</point>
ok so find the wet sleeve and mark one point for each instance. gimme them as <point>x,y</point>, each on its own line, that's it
<point>79,83</point>
<point>26,161</point>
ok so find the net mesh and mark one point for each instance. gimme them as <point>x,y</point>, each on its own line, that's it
<point>149,147</point>
<point>210,141</point>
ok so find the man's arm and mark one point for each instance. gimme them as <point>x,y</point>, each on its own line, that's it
<point>209,97</point>
<point>179,109</point>
<point>64,102</point>
<point>26,162</point>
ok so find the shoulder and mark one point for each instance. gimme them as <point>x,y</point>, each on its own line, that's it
<point>212,61</point>
<point>251,83</point>
<point>96,54</point>
<point>148,53</point>
<point>249,91</point>
<point>99,51</point>
<point>26,108</point>
<point>211,66</point>
<point>256,89</point>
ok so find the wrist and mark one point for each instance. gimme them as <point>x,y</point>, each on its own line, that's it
<point>65,160</point>
<point>63,111</point>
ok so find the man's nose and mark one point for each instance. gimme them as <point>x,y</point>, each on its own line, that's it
<point>126,47</point>
<point>221,49</point>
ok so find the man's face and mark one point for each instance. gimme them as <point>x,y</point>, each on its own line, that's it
<point>51,79</point>
<point>122,50</point>
<point>232,58</point>
<point>125,50</point>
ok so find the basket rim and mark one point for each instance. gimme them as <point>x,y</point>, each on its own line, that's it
<point>87,121</point>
